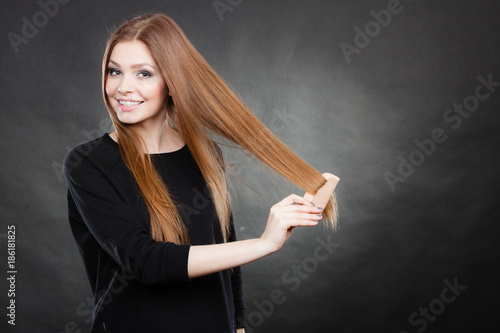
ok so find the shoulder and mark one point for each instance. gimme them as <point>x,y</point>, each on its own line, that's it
<point>101,153</point>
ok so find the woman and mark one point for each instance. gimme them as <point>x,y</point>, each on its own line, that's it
<point>148,203</point>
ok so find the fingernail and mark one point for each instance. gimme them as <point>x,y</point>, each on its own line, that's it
<point>320,215</point>
<point>312,203</point>
<point>320,208</point>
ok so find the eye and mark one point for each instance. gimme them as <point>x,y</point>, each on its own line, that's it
<point>113,72</point>
<point>144,74</point>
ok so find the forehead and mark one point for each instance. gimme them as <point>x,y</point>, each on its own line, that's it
<point>130,53</point>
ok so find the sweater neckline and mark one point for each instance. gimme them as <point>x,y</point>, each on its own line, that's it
<point>171,154</point>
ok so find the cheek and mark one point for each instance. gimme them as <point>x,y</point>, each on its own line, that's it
<point>154,90</point>
<point>111,88</point>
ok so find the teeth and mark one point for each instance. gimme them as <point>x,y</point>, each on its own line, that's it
<point>129,103</point>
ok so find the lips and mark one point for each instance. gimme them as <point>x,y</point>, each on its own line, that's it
<point>128,105</point>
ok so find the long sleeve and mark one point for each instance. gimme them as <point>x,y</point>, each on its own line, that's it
<point>139,284</point>
<point>116,225</point>
<point>237,286</point>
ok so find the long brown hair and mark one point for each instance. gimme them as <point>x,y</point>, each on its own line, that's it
<point>200,102</point>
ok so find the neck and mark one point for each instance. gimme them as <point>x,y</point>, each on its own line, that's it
<point>161,139</point>
<point>158,136</point>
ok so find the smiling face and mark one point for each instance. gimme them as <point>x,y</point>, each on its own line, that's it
<point>135,88</point>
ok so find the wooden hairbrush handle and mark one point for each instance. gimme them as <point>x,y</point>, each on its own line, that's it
<point>323,195</point>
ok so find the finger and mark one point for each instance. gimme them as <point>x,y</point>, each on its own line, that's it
<point>306,216</point>
<point>302,220</point>
<point>299,208</point>
<point>302,223</point>
<point>294,198</point>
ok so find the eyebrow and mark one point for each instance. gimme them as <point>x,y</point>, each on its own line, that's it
<point>133,66</point>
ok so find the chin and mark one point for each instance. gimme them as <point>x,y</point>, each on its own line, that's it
<point>126,119</point>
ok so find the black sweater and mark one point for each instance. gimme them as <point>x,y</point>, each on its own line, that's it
<point>139,284</point>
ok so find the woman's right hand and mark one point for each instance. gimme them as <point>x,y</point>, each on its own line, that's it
<point>284,216</point>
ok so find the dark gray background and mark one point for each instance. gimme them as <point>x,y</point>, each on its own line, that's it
<point>394,249</point>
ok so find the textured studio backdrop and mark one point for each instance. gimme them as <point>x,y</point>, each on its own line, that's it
<point>400,99</point>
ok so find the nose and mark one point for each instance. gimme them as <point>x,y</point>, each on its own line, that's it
<point>126,86</point>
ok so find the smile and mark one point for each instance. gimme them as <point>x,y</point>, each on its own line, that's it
<point>129,103</point>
